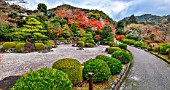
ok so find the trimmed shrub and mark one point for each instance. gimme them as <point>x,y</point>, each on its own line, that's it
<point>168,50</point>
<point>49,43</point>
<point>155,49</point>
<point>149,49</point>
<point>99,68</point>
<point>113,44</point>
<point>101,56</point>
<point>123,46</point>
<point>72,67</point>
<point>114,64</point>
<point>7,45</point>
<point>163,49</point>
<point>123,55</point>
<point>80,43</point>
<point>131,42</point>
<point>19,47</point>
<point>39,46</point>
<point>113,49</point>
<point>43,79</point>
<point>89,45</point>
<point>144,47</point>
<point>138,44</point>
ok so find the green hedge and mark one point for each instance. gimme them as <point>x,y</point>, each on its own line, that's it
<point>44,79</point>
<point>99,68</point>
<point>113,44</point>
<point>19,47</point>
<point>89,45</point>
<point>7,45</point>
<point>155,49</point>
<point>80,43</point>
<point>101,56</point>
<point>138,44</point>
<point>114,64</point>
<point>163,49</point>
<point>39,46</point>
<point>123,46</point>
<point>49,43</point>
<point>113,49</point>
<point>124,56</point>
<point>72,67</point>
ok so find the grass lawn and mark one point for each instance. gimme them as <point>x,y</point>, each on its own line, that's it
<point>163,56</point>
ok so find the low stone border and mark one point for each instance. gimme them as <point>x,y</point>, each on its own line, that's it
<point>159,57</point>
<point>121,77</point>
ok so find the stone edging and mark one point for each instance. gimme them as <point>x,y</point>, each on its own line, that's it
<point>121,77</point>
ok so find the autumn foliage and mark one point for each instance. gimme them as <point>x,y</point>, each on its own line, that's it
<point>120,37</point>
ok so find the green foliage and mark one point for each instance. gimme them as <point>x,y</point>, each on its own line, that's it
<point>155,49</point>
<point>123,55</point>
<point>72,67</point>
<point>106,34</point>
<point>7,45</point>
<point>89,45</point>
<point>138,44</point>
<point>66,33</point>
<point>132,19</point>
<point>128,41</point>
<point>49,44</point>
<point>168,50</point>
<point>19,47</point>
<point>74,28</point>
<point>88,38</point>
<point>149,49</point>
<point>163,49</point>
<point>123,46</point>
<point>42,8</point>
<point>39,46</point>
<point>80,43</point>
<point>132,36</point>
<point>113,44</point>
<point>99,68</point>
<point>88,29</point>
<point>6,32</point>
<point>113,49</point>
<point>119,27</point>
<point>101,56</point>
<point>63,22</point>
<point>43,79</point>
<point>114,64</point>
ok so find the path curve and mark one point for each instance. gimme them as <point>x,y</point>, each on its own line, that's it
<point>148,72</point>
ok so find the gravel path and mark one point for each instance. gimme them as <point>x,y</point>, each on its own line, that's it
<point>147,73</point>
<point>18,63</point>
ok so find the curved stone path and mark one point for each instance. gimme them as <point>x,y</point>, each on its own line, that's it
<point>19,63</point>
<point>148,72</point>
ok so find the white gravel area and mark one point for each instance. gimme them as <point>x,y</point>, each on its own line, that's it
<point>19,63</point>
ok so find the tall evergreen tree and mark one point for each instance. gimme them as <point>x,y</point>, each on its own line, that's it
<point>132,19</point>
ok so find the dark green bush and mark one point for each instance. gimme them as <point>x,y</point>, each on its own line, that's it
<point>7,45</point>
<point>138,44</point>
<point>114,64</point>
<point>113,49</point>
<point>39,46</point>
<point>113,44</point>
<point>163,49</point>
<point>123,46</point>
<point>72,67</point>
<point>89,45</point>
<point>131,42</point>
<point>101,56</point>
<point>124,56</point>
<point>43,79</point>
<point>168,50</point>
<point>19,47</point>
<point>149,49</point>
<point>99,68</point>
<point>155,49</point>
<point>80,43</point>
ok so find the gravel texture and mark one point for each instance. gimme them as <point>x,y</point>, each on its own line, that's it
<point>148,72</point>
<point>19,63</point>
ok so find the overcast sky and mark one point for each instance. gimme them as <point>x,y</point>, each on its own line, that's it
<point>117,9</point>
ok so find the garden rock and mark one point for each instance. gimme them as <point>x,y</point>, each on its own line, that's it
<point>28,47</point>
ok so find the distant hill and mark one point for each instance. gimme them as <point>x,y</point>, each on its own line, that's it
<point>150,19</point>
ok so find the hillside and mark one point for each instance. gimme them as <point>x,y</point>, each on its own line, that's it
<point>150,19</point>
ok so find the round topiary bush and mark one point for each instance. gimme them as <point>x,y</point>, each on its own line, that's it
<point>113,49</point>
<point>131,42</point>
<point>49,43</point>
<point>138,44</point>
<point>99,68</point>
<point>19,47</point>
<point>80,43</point>
<point>72,67</point>
<point>101,56</point>
<point>44,79</point>
<point>163,49</point>
<point>123,46</point>
<point>114,64</point>
<point>89,45</point>
<point>7,45</point>
<point>113,44</point>
<point>39,46</point>
<point>155,49</point>
<point>123,55</point>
